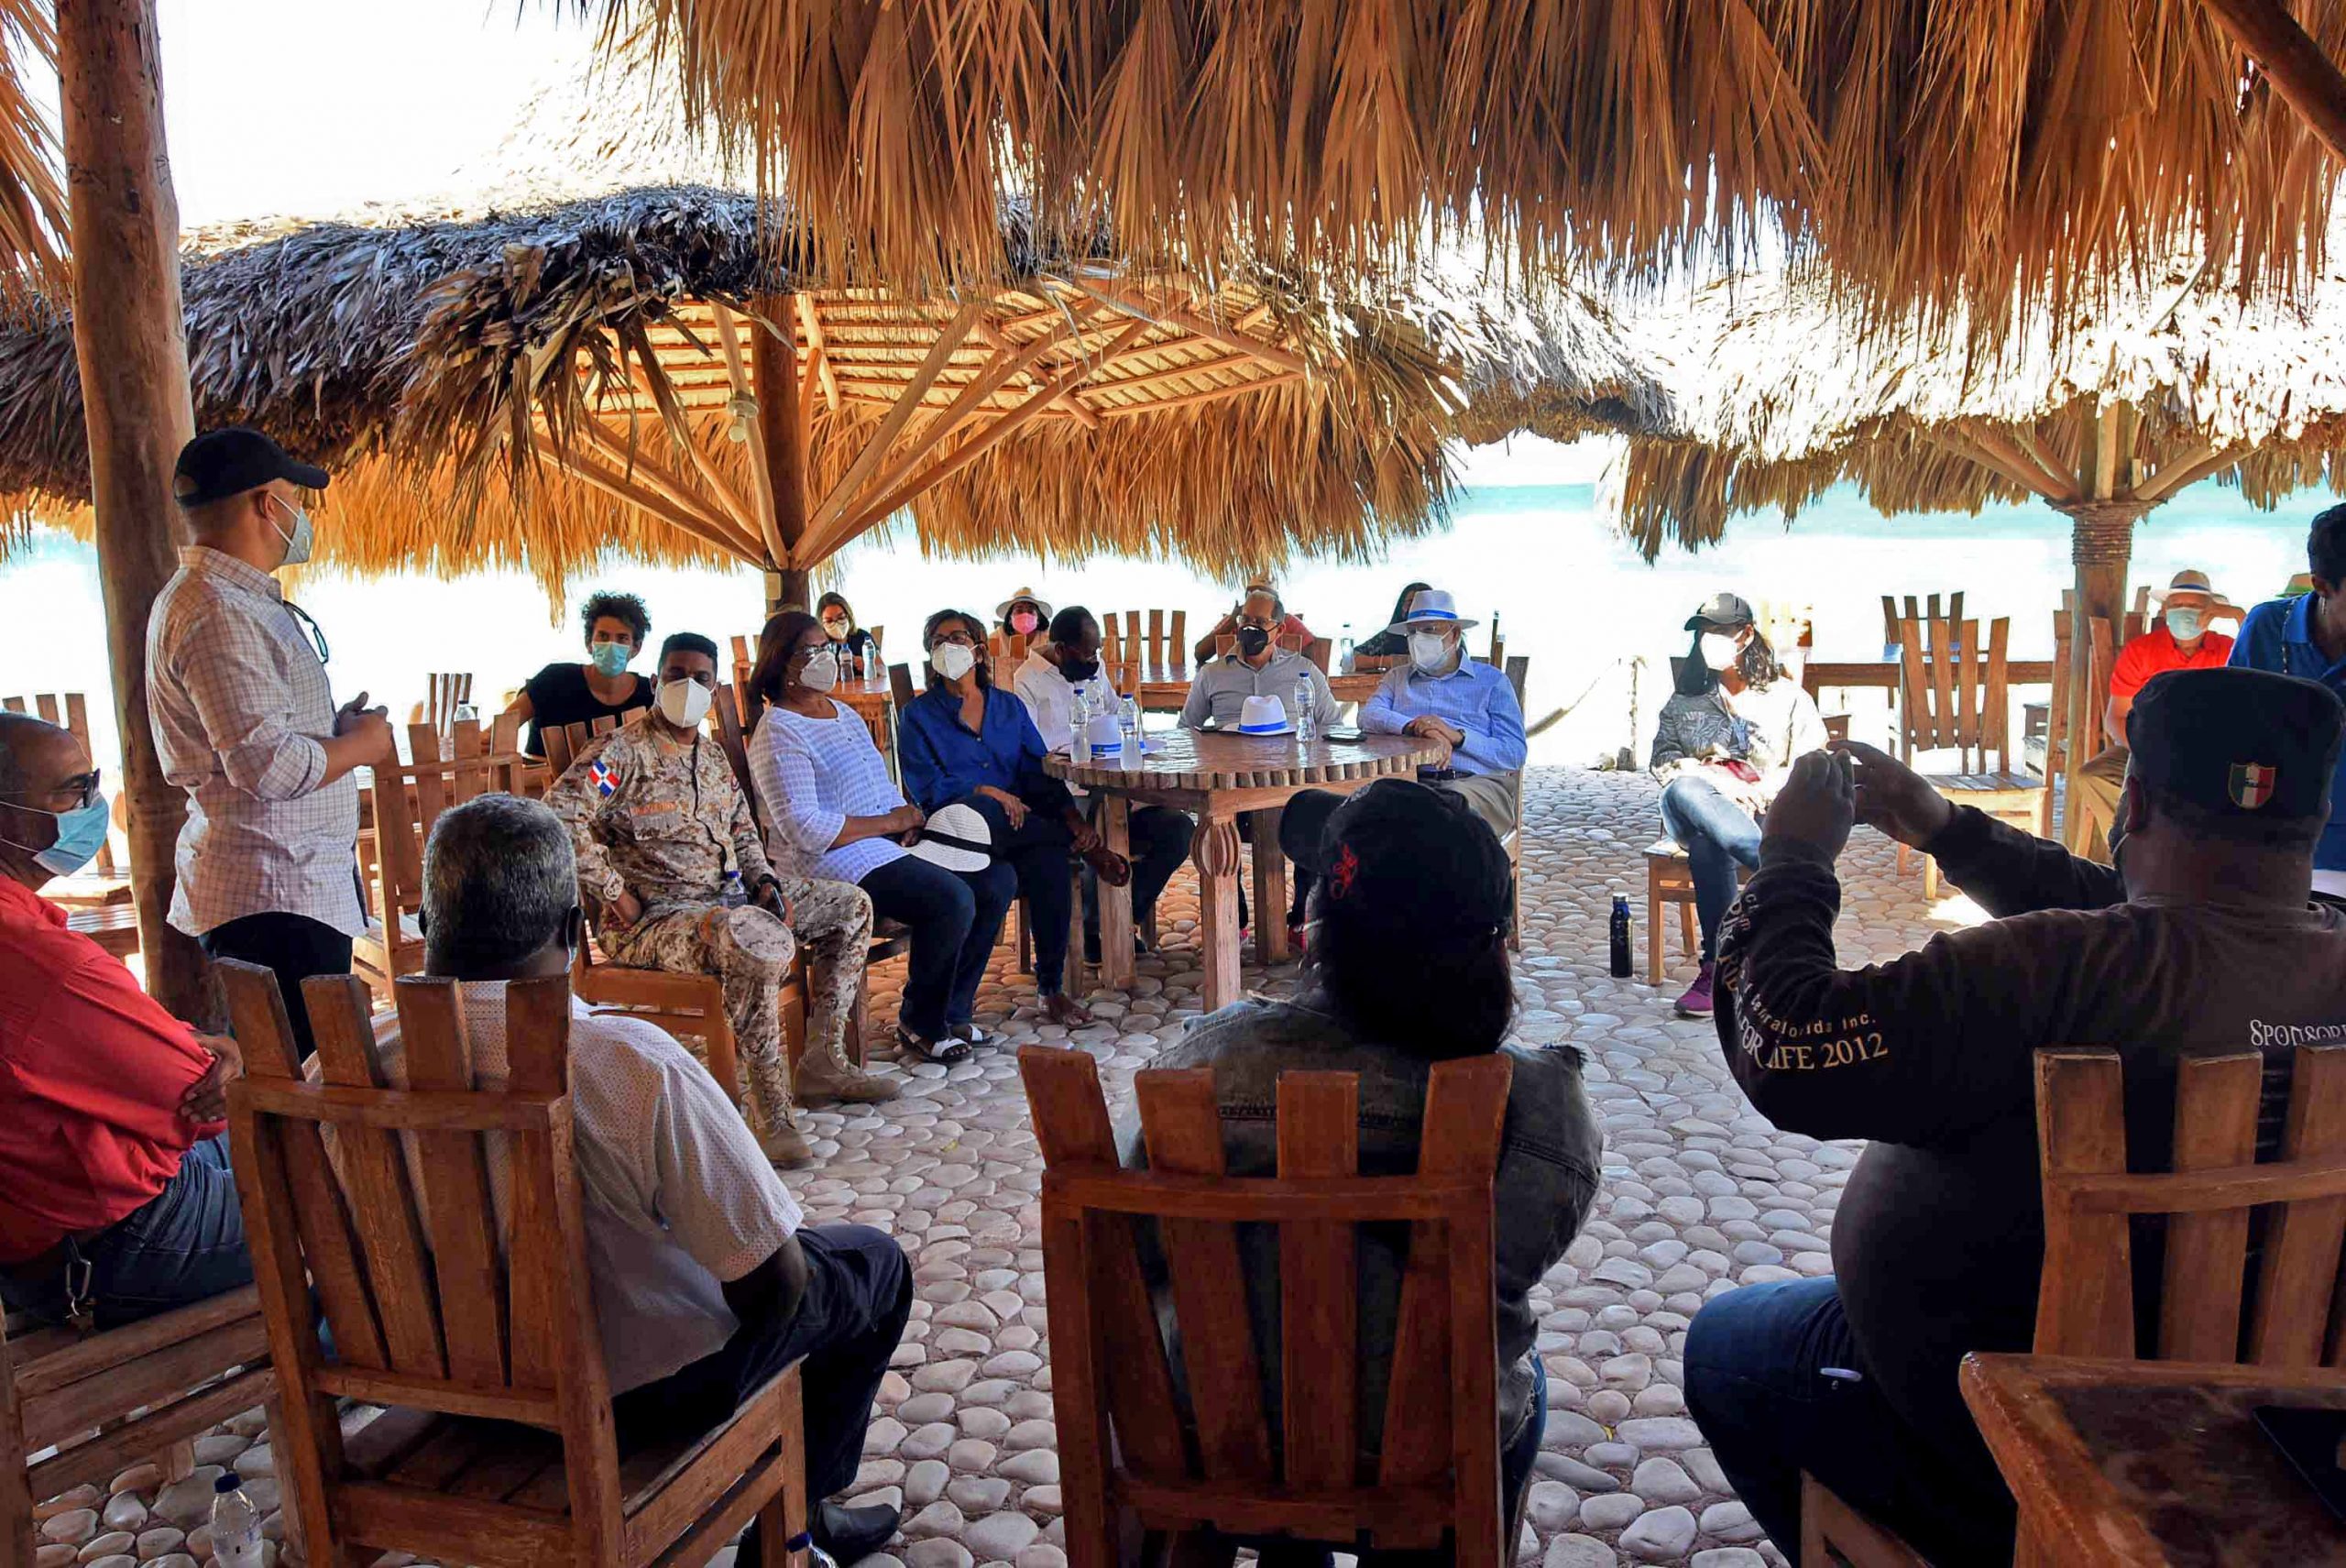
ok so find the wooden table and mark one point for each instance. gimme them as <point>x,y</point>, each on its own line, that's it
<point>1215,777</point>
<point>2127,1463</point>
<point>1883,674</point>
<point>1164,688</point>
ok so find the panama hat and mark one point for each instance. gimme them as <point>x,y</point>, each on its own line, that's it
<point>955,838</point>
<point>2187,582</point>
<point>1263,716</point>
<point>1023,595</point>
<point>1430,607</point>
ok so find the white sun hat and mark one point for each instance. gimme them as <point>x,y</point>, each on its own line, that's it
<point>1431,607</point>
<point>1263,716</point>
<point>957,838</point>
<point>1107,735</point>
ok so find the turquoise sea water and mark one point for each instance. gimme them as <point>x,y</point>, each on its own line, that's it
<point>1546,558</point>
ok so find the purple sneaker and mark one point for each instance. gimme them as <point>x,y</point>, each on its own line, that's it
<point>1696,1002</point>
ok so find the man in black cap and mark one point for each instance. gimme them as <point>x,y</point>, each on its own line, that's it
<point>246,723</point>
<point>2203,939</point>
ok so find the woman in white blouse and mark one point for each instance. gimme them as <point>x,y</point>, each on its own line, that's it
<point>831,811</point>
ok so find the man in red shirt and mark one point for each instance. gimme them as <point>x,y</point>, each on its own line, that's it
<point>115,1197</point>
<point>2181,641</point>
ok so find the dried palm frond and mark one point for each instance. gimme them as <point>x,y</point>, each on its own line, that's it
<point>32,202</point>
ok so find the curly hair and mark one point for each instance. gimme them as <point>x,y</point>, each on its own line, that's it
<point>617,606</point>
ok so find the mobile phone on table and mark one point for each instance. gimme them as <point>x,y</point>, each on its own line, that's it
<point>1344,733</point>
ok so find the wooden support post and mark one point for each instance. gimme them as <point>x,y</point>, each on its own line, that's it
<point>2307,81</point>
<point>774,361</point>
<point>131,342</point>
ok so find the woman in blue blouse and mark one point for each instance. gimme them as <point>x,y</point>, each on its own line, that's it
<point>963,740</point>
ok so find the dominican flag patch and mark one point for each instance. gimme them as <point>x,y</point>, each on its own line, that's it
<point>607,782</point>
<point>2251,785</point>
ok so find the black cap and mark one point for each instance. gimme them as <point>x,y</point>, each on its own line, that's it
<point>2238,742</point>
<point>222,463</point>
<point>1721,612</point>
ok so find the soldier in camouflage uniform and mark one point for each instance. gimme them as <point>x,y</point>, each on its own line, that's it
<point>659,823</point>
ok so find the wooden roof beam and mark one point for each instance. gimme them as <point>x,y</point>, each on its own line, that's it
<point>1212,394</point>
<point>737,375</point>
<point>1190,321</point>
<point>643,469</point>
<point>835,505</point>
<point>2307,80</point>
<point>2188,466</point>
<point>810,320</point>
<point>1001,345</point>
<point>706,530</point>
<point>1201,368</point>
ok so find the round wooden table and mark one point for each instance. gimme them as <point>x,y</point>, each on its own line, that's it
<point>1215,776</point>
<point>1165,688</point>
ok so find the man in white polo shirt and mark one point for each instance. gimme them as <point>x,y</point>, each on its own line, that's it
<point>706,1280</point>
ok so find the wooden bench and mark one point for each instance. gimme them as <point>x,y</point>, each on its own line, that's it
<point>1126,1452</point>
<point>496,1446</point>
<point>80,1408</point>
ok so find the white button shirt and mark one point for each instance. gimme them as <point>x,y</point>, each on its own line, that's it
<point>239,703</point>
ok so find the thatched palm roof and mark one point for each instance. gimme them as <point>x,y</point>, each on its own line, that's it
<point>32,202</point>
<point>1778,399</point>
<point>509,389</point>
<point>2006,154</point>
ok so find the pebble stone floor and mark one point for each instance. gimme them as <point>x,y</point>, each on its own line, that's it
<point>1699,1194</point>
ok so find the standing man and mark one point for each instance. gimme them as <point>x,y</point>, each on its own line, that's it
<point>246,723</point>
<point>1443,695</point>
<point>2305,637</point>
<point>2180,642</point>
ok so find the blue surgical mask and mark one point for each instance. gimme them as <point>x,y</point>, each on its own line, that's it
<point>80,834</point>
<point>2186,624</point>
<point>611,658</point>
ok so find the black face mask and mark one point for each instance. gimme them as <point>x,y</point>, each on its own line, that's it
<point>1253,640</point>
<point>1079,671</point>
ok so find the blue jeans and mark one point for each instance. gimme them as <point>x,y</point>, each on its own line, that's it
<point>1717,835</point>
<point>1775,1380</point>
<point>182,1246</point>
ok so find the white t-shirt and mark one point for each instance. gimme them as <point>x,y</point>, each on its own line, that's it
<point>678,1196</point>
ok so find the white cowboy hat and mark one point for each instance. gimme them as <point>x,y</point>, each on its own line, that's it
<point>1263,716</point>
<point>1023,595</point>
<point>1431,607</point>
<point>1107,735</point>
<point>955,838</point>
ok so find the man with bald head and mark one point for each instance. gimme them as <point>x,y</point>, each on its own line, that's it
<point>246,723</point>
<point>115,1197</point>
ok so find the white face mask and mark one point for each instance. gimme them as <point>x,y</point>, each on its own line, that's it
<point>1720,651</point>
<point>296,543</point>
<point>822,671</point>
<point>951,660</point>
<point>1429,650</point>
<point>685,703</point>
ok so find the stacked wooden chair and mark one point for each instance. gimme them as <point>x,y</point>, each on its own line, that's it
<point>2286,1310</point>
<point>2105,639</point>
<point>475,1327</point>
<point>1195,1467</point>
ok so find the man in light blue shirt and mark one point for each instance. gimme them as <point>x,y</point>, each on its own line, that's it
<point>2306,637</point>
<point>1443,695</point>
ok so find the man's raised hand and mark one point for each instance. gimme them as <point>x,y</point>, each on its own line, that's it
<point>1894,797</point>
<point>1816,807</point>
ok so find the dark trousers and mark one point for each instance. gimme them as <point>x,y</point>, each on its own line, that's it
<point>955,919</point>
<point>859,1293</point>
<point>1301,873</point>
<point>1768,1379</point>
<point>1041,855</point>
<point>1160,842</point>
<point>182,1246</point>
<point>295,946</point>
<point>1717,836</point>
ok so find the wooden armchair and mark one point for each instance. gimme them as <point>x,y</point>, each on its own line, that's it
<point>496,1446</point>
<point>2288,1311</point>
<point>446,693</point>
<point>1954,697</point>
<point>408,799</point>
<point>105,1401</point>
<point>1127,1452</point>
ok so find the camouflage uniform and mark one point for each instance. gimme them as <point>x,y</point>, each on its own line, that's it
<point>659,815</point>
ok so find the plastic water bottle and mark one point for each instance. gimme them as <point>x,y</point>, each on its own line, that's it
<point>734,894</point>
<point>1303,711</point>
<point>1620,936</point>
<point>1128,722</point>
<point>1344,655</point>
<point>1079,726</point>
<point>235,1525</point>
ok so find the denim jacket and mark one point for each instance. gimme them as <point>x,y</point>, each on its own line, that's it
<point>1549,1154</point>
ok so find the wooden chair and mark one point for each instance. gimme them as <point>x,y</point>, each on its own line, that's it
<point>1894,620</point>
<point>1956,699</point>
<point>408,798</point>
<point>2211,1307</point>
<point>1127,1452</point>
<point>497,1448</point>
<point>105,1401</point>
<point>447,693</point>
<point>2106,640</point>
<point>1162,644</point>
<point>102,883</point>
<point>1518,670</point>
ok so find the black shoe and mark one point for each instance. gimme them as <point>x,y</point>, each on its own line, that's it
<point>851,1535</point>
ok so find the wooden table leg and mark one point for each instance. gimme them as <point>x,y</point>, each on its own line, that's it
<point>1270,886</point>
<point>1214,847</point>
<point>1116,902</point>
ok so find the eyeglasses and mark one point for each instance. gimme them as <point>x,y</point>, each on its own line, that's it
<point>962,639</point>
<point>89,791</point>
<point>317,635</point>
